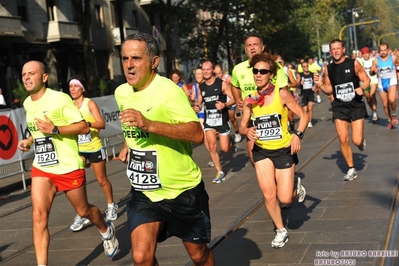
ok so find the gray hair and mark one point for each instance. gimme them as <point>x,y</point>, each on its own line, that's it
<point>152,47</point>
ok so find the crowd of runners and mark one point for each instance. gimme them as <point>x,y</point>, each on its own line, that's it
<point>266,103</point>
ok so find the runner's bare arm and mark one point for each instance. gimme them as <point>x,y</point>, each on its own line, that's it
<point>236,92</point>
<point>361,73</point>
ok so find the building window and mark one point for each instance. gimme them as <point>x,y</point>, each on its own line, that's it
<point>162,19</point>
<point>135,20</point>
<point>99,16</point>
<point>114,14</point>
<point>21,9</point>
<point>50,10</point>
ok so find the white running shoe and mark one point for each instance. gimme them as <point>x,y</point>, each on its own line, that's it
<point>280,239</point>
<point>300,190</point>
<point>237,138</point>
<point>351,174</point>
<point>110,244</point>
<point>220,176</point>
<point>210,164</point>
<point>111,214</point>
<point>362,146</point>
<point>318,99</point>
<point>78,223</point>
<point>375,116</point>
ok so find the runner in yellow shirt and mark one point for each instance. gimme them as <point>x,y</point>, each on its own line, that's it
<point>91,147</point>
<point>54,122</point>
<point>275,150</point>
<point>159,125</point>
<point>242,78</point>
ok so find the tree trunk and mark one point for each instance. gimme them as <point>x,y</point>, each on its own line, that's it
<point>83,15</point>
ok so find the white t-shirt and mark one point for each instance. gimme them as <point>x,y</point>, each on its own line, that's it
<point>2,101</point>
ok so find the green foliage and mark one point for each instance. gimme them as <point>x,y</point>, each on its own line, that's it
<point>20,92</point>
<point>104,86</point>
<point>294,29</point>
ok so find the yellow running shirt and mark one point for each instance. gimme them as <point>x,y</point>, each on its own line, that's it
<point>272,124</point>
<point>56,154</point>
<point>243,78</point>
<point>91,141</point>
<point>159,166</point>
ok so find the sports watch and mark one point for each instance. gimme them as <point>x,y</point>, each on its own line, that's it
<point>299,134</point>
<point>55,131</point>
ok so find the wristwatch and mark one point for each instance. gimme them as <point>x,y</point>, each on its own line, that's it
<point>299,134</point>
<point>55,131</point>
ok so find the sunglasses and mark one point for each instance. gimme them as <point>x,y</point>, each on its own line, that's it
<point>261,71</point>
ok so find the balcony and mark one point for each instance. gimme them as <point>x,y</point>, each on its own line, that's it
<point>62,30</point>
<point>10,26</point>
<point>117,35</point>
<point>148,2</point>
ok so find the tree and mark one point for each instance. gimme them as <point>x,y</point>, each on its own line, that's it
<point>83,17</point>
<point>227,24</point>
<point>170,10</point>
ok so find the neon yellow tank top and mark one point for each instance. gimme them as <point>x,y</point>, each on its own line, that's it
<point>272,124</point>
<point>91,141</point>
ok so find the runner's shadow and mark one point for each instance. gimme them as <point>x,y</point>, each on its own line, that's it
<point>233,162</point>
<point>248,250</point>
<point>8,199</point>
<point>2,248</point>
<point>123,236</point>
<point>358,159</point>
<point>295,216</point>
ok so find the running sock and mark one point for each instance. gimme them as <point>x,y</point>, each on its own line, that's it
<point>111,205</point>
<point>107,234</point>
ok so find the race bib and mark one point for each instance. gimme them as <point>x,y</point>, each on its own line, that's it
<point>84,138</point>
<point>142,170</point>
<point>268,127</point>
<point>214,118</point>
<point>345,92</point>
<point>385,73</point>
<point>307,83</point>
<point>45,153</point>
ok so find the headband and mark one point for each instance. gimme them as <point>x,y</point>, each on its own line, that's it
<point>77,82</point>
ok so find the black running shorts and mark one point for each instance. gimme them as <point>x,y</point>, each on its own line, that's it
<point>94,157</point>
<point>307,96</point>
<point>349,112</point>
<point>281,158</point>
<point>186,217</point>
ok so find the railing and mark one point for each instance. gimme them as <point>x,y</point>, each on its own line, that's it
<point>57,30</point>
<point>20,167</point>
<point>10,26</point>
<point>111,142</point>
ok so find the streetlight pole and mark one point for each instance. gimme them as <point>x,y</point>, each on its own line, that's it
<point>341,31</point>
<point>354,29</point>
<point>353,22</point>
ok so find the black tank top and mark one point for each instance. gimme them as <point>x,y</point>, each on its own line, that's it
<point>211,94</point>
<point>344,81</point>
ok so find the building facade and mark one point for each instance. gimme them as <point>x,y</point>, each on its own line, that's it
<point>49,31</point>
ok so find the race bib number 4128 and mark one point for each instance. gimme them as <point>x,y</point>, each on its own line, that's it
<point>142,170</point>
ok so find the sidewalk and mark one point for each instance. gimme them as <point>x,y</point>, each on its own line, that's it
<point>336,215</point>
